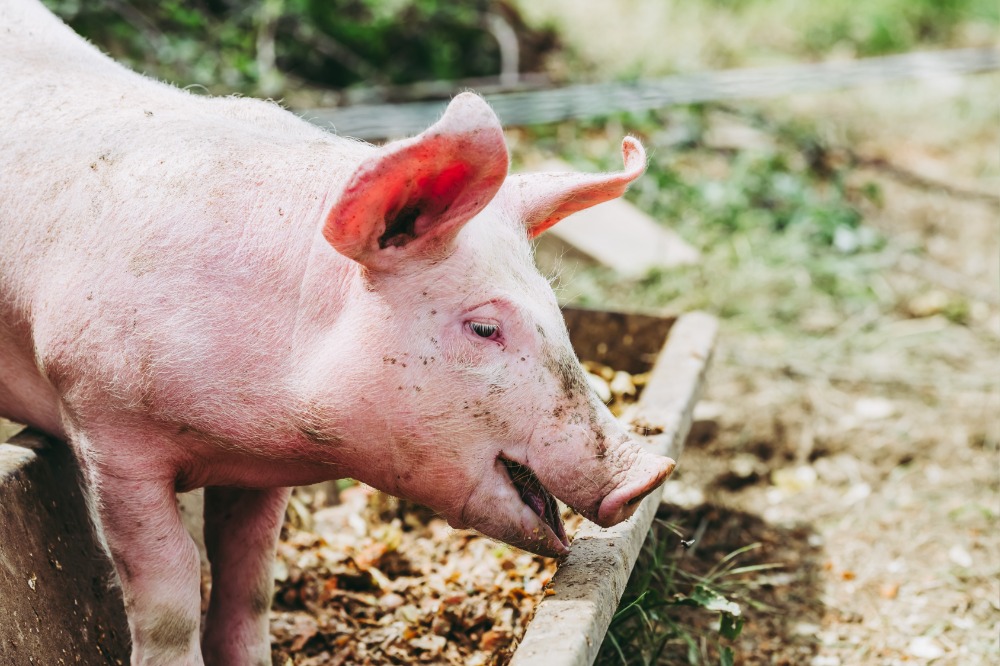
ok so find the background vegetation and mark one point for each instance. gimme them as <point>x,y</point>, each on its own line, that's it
<point>268,47</point>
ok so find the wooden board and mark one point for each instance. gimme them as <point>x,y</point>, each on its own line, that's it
<point>58,603</point>
<point>615,234</point>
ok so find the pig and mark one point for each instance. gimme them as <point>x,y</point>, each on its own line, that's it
<point>213,293</point>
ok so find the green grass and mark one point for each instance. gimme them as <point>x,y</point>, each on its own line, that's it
<point>668,36</point>
<point>667,606</point>
<point>781,232</point>
<point>893,26</point>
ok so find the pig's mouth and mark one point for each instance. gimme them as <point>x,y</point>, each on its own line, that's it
<point>536,497</point>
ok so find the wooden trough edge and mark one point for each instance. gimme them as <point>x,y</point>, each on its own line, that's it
<point>58,604</point>
<point>569,625</point>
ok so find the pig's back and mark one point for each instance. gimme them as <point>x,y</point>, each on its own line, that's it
<point>137,220</point>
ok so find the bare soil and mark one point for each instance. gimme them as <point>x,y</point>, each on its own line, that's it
<point>863,453</point>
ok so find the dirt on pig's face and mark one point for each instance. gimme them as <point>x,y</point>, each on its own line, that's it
<point>468,397</point>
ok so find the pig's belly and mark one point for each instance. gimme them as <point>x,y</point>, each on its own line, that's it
<point>25,396</point>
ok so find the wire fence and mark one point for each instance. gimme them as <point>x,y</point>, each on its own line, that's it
<point>381,121</point>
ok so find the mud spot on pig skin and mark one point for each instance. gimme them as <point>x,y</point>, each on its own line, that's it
<point>312,422</point>
<point>145,380</point>
<point>260,600</point>
<point>317,435</point>
<point>141,263</point>
<point>122,568</point>
<point>171,631</point>
<point>567,370</point>
<point>189,430</point>
<point>600,441</point>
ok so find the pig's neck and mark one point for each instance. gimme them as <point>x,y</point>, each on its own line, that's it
<point>268,408</point>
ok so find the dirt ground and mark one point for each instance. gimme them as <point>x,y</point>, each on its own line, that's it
<point>863,453</point>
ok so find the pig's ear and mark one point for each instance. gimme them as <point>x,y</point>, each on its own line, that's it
<point>413,196</point>
<point>542,199</point>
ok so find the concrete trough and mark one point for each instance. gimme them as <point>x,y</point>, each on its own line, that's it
<point>58,604</point>
<point>569,625</point>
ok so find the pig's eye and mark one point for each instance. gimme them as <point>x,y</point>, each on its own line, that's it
<point>483,330</point>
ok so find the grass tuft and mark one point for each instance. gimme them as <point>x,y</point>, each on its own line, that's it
<point>666,603</point>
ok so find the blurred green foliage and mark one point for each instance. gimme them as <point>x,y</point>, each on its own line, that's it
<point>780,223</point>
<point>892,26</point>
<point>256,45</point>
<point>794,183</point>
<point>263,47</point>
<point>875,27</point>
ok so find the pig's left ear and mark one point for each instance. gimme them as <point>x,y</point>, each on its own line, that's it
<point>413,196</point>
<point>542,199</point>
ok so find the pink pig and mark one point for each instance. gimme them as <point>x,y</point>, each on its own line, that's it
<point>211,292</point>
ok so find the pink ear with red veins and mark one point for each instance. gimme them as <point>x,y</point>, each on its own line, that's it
<point>414,195</point>
<point>542,199</point>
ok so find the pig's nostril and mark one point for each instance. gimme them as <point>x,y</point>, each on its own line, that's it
<point>622,503</point>
<point>635,500</point>
<point>641,496</point>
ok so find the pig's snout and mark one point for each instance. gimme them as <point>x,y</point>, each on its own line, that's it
<point>645,476</point>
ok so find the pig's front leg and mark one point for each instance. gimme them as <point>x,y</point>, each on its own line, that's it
<point>157,564</point>
<point>241,531</point>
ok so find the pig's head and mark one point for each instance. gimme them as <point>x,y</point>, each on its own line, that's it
<point>464,390</point>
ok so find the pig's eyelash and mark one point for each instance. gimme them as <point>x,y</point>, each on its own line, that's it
<point>484,330</point>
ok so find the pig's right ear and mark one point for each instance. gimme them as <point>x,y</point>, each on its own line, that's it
<point>412,197</point>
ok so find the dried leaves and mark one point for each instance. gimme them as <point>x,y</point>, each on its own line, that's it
<point>376,580</point>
